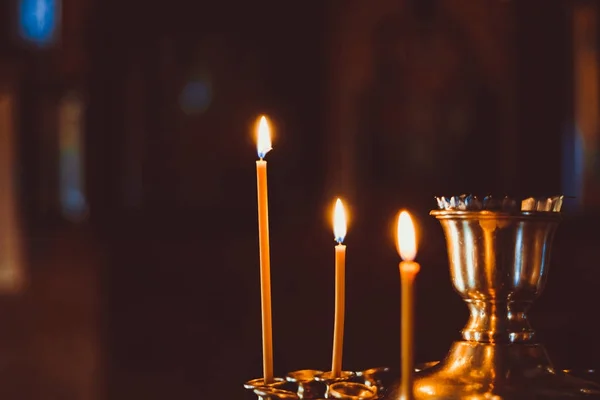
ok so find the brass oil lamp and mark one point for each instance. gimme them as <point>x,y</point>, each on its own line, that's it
<point>498,252</point>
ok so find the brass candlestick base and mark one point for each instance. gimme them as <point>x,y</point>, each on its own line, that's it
<point>498,252</point>
<point>499,371</point>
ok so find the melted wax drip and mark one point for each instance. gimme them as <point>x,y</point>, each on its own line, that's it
<point>470,202</point>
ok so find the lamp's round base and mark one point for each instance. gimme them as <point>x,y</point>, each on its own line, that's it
<point>486,371</point>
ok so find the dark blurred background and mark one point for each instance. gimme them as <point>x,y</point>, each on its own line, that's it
<point>128,229</point>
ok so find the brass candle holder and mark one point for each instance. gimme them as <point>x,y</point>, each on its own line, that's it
<point>312,384</point>
<point>498,251</point>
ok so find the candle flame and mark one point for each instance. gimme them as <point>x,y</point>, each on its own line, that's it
<point>263,137</point>
<point>339,221</point>
<point>407,242</point>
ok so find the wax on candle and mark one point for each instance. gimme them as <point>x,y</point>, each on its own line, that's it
<point>339,230</point>
<point>263,146</point>
<point>407,247</point>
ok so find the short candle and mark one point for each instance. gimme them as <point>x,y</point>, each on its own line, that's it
<point>407,248</point>
<point>339,230</point>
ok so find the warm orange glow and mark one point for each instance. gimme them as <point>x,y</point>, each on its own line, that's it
<point>339,221</point>
<point>263,137</point>
<point>407,242</point>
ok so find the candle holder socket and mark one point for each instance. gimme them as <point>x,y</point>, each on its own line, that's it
<point>259,383</point>
<point>328,379</point>
<point>308,386</point>
<point>380,378</point>
<point>271,393</point>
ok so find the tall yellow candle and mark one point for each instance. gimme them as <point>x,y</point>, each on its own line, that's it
<point>339,231</point>
<point>407,248</point>
<point>263,145</point>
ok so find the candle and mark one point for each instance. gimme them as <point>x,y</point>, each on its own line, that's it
<point>339,231</point>
<point>407,248</point>
<point>263,146</point>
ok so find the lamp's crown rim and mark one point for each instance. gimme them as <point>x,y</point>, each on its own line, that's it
<point>488,214</point>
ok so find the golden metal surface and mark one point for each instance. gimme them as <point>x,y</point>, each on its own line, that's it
<point>352,391</point>
<point>327,378</point>
<point>259,384</point>
<point>267,393</point>
<point>475,370</point>
<point>379,378</point>
<point>498,265</point>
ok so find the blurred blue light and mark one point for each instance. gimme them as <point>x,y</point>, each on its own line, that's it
<point>196,97</point>
<point>38,20</point>
<point>73,202</point>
